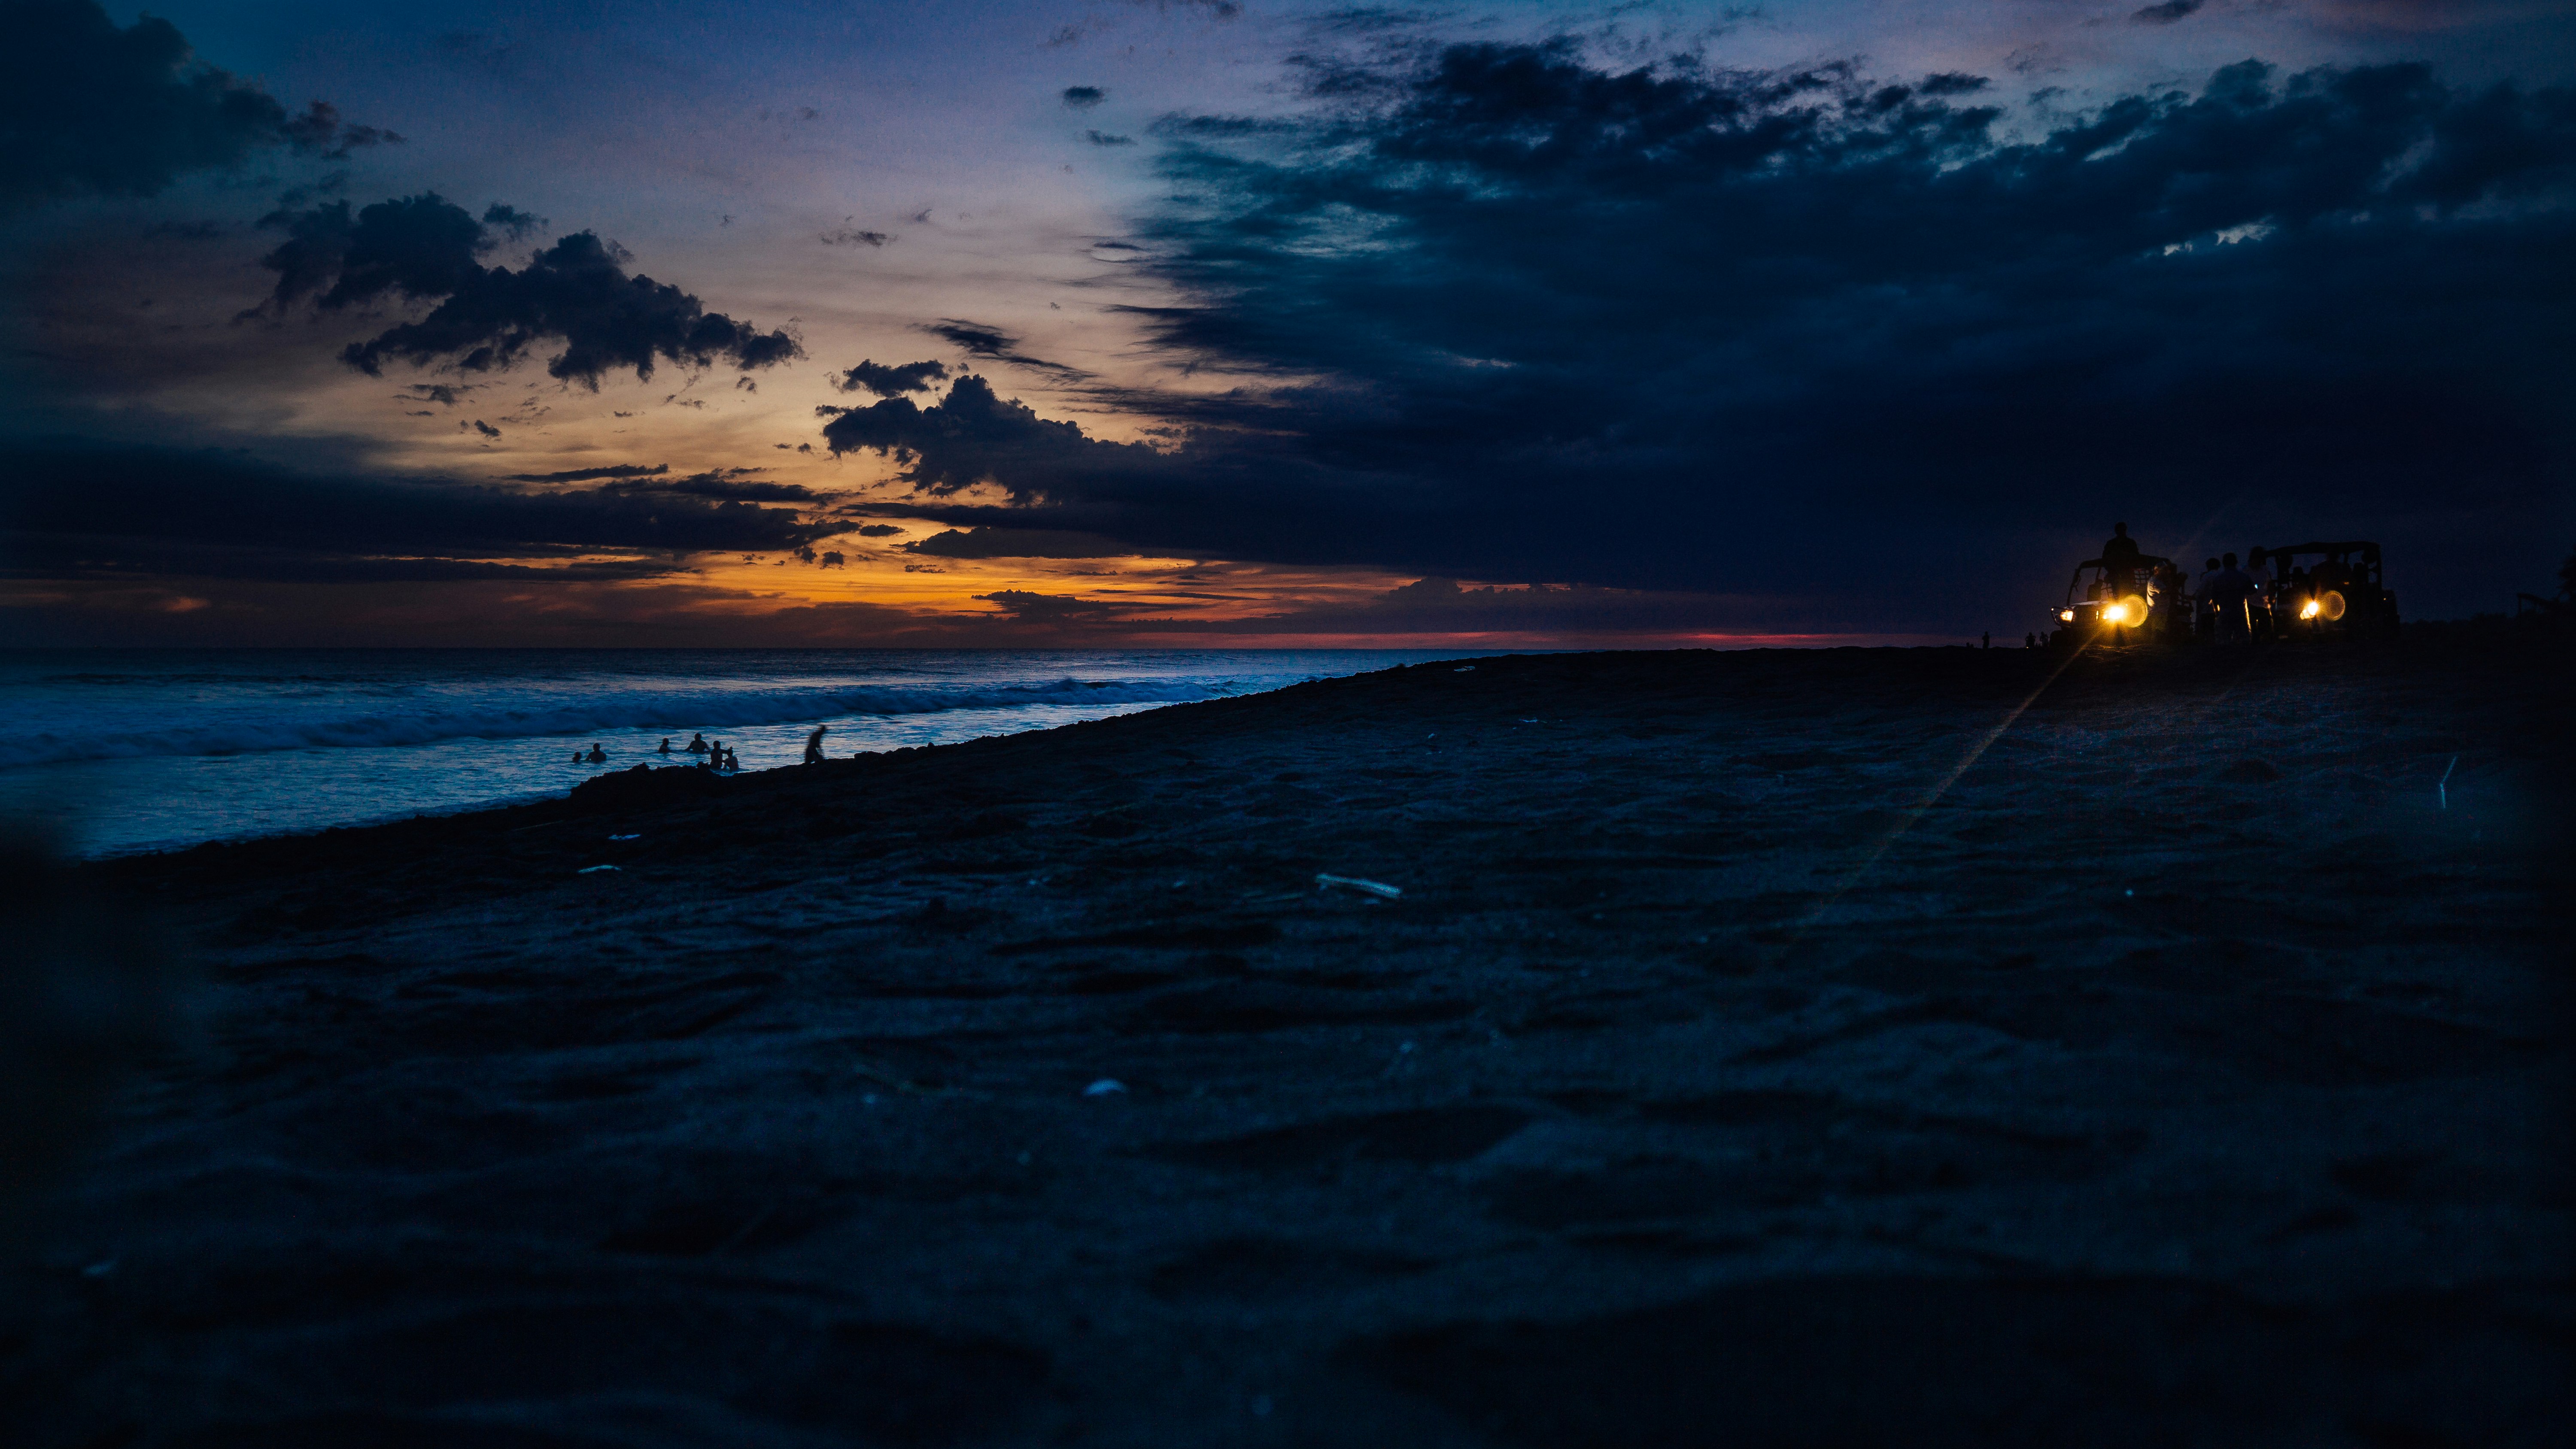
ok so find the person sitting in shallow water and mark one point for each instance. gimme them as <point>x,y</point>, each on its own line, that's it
<point>731,761</point>
<point>697,744</point>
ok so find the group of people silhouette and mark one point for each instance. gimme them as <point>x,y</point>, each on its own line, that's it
<point>2218,602</point>
<point>2226,593</point>
<point>714,755</point>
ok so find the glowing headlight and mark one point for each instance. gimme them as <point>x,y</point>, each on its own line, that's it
<point>2066,616</point>
<point>2331,605</point>
<point>2310,609</point>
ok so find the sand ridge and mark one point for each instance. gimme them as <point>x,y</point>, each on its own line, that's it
<point>2188,1067</point>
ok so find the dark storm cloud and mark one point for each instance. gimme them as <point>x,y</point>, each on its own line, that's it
<point>511,222</point>
<point>992,542</point>
<point>319,130</point>
<point>733,483</point>
<point>995,345</point>
<point>1804,327</point>
<point>88,108</point>
<point>1223,126</point>
<point>1368,19</point>
<point>892,379</point>
<point>73,510</point>
<point>1443,606</point>
<point>425,247</point>
<point>973,437</point>
<point>1083,98</point>
<point>2166,13</point>
<point>579,475</point>
<point>103,556</point>
<point>1102,138</point>
<point>1035,608</point>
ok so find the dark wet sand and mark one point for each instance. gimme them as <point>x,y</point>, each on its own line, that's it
<point>2184,1074</point>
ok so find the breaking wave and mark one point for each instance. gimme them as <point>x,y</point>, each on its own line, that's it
<point>428,722</point>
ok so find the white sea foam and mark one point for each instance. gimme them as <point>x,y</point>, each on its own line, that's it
<point>620,709</point>
<point>131,750</point>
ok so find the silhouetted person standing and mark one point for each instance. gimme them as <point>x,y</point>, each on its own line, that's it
<point>2172,611</point>
<point>2120,563</point>
<point>814,744</point>
<point>2231,592</point>
<point>597,756</point>
<point>697,744</point>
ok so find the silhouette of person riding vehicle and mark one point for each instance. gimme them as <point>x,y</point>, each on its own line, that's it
<point>2130,596</point>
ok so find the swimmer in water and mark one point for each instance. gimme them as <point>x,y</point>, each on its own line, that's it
<point>731,762</point>
<point>666,745</point>
<point>697,744</point>
<point>597,756</point>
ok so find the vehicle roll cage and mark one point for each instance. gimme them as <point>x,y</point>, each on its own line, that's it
<point>2147,563</point>
<point>2343,555</point>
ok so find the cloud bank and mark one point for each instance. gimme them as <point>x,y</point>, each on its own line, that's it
<point>71,511</point>
<point>427,248</point>
<point>88,108</point>
<point>889,379</point>
<point>1525,316</point>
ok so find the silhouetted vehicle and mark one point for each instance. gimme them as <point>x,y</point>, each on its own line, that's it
<point>2341,595</point>
<point>2108,608</point>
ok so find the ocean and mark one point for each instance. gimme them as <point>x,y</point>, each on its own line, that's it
<point>117,751</point>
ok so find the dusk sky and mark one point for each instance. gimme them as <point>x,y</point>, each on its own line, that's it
<point>1188,323</point>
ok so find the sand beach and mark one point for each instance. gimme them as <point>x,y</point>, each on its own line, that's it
<point>1828,1047</point>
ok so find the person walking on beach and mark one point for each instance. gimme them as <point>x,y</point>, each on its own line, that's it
<point>697,744</point>
<point>814,744</point>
